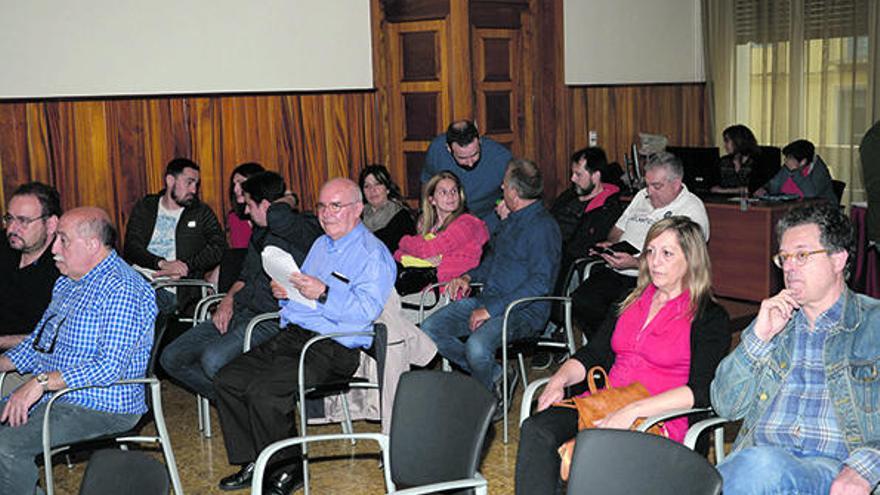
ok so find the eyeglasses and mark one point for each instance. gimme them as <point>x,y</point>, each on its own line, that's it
<point>23,221</point>
<point>334,207</point>
<point>800,258</point>
<point>36,344</point>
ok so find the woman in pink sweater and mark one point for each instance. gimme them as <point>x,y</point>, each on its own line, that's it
<point>448,238</point>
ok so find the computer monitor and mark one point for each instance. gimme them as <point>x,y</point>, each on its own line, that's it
<point>700,166</point>
<point>767,164</point>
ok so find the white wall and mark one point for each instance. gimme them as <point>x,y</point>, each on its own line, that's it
<point>632,41</point>
<point>54,48</point>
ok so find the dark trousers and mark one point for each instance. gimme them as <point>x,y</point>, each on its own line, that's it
<point>592,301</point>
<point>256,392</point>
<point>537,462</point>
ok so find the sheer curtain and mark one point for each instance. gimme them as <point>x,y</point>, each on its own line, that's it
<point>791,69</point>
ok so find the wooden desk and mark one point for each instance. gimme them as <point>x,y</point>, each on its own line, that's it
<point>740,246</point>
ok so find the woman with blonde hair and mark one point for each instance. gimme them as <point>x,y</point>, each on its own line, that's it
<point>669,334</point>
<point>449,240</point>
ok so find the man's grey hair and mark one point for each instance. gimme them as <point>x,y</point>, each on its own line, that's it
<point>836,232</point>
<point>100,227</point>
<point>667,160</point>
<point>525,176</point>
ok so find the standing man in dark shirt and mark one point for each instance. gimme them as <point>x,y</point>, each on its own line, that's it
<point>27,270</point>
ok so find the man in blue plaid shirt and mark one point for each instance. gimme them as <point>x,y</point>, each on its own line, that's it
<point>97,329</point>
<point>805,376</point>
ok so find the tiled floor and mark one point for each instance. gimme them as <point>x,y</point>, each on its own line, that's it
<point>349,469</point>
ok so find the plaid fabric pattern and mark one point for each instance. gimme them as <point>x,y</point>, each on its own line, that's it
<point>102,327</point>
<point>801,417</point>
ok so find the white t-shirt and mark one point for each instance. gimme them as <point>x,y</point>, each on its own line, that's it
<point>163,243</point>
<point>640,215</point>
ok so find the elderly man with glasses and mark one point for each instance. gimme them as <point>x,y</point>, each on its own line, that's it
<point>347,277</point>
<point>805,376</point>
<point>27,271</point>
<point>97,329</point>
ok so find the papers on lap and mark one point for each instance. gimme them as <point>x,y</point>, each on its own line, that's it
<point>279,264</point>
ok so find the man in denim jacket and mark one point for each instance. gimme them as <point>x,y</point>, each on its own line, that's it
<point>805,375</point>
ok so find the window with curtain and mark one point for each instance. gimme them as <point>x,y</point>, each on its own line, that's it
<point>791,69</point>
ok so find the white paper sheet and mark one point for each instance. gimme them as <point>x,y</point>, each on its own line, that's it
<point>279,264</point>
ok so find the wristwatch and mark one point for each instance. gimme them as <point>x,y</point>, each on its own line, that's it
<point>43,380</point>
<point>323,297</point>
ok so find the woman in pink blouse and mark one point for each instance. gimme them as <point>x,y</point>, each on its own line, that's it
<point>669,334</point>
<point>448,238</point>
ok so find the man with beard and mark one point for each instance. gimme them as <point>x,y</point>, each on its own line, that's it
<point>27,271</point>
<point>585,212</point>
<point>479,162</point>
<point>173,233</point>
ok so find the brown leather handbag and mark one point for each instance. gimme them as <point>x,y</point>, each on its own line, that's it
<point>597,405</point>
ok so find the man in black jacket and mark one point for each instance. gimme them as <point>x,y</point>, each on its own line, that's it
<point>195,357</point>
<point>585,212</point>
<point>174,234</point>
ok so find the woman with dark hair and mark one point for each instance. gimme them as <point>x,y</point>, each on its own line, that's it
<point>449,240</point>
<point>736,166</point>
<point>669,334</point>
<point>238,225</point>
<point>385,213</point>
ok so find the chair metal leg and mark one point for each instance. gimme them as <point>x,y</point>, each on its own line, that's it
<point>206,416</point>
<point>200,413</point>
<point>165,438</point>
<point>347,427</point>
<point>522,369</point>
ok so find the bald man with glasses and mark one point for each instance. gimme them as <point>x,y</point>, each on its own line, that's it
<point>97,329</point>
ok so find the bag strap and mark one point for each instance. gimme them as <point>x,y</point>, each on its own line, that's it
<point>591,379</point>
<point>569,403</point>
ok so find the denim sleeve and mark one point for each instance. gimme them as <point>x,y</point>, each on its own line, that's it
<point>756,349</point>
<point>732,390</point>
<point>866,462</point>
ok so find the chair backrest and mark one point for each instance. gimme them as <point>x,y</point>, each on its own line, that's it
<point>615,462</point>
<point>438,427</point>
<point>839,186</point>
<point>124,471</point>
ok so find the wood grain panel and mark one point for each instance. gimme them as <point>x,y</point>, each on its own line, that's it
<point>111,152</point>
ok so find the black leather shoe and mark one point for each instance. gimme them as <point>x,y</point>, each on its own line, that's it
<point>239,480</point>
<point>285,481</point>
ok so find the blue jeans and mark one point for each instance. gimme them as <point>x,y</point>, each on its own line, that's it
<point>774,470</point>
<point>476,355</point>
<point>198,354</point>
<point>69,424</point>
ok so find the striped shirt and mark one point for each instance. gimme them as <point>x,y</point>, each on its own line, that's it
<point>102,326</point>
<point>801,417</point>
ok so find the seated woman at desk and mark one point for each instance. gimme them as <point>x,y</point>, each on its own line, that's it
<point>449,241</point>
<point>669,335</point>
<point>804,174</point>
<point>736,166</point>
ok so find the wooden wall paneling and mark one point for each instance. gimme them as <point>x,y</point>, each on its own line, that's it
<point>526,118</point>
<point>13,148</point>
<point>204,137</point>
<point>403,165</point>
<point>551,97</point>
<point>458,65</point>
<point>126,156</point>
<point>497,85</point>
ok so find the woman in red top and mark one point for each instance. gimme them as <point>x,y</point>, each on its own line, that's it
<point>669,334</point>
<point>448,238</point>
